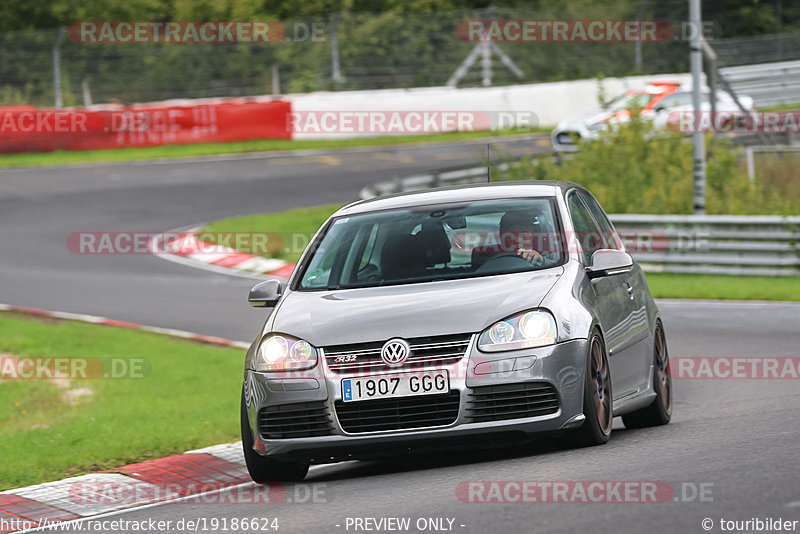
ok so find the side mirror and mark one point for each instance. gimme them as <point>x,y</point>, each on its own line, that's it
<point>265,294</point>
<point>606,262</point>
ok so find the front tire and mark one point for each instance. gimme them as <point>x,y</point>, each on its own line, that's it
<point>264,469</point>
<point>598,400</point>
<point>660,410</point>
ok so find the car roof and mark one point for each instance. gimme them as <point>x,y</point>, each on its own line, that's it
<point>463,193</point>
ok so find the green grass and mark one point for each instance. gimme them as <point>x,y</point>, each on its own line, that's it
<point>63,157</point>
<point>781,107</point>
<point>302,222</point>
<point>189,399</point>
<point>707,286</point>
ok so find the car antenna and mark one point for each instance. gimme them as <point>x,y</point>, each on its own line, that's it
<point>488,163</point>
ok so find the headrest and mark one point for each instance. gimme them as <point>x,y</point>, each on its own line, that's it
<point>400,257</point>
<point>433,243</point>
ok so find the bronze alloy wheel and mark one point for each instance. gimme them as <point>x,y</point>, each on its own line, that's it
<point>600,378</point>
<point>597,399</point>
<point>663,378</point>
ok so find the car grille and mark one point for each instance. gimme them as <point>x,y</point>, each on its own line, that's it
<point>511,401</point>
<point>425,352</point>
<point>396,414</point>
<point>567,138</point>
<point>300,420</point>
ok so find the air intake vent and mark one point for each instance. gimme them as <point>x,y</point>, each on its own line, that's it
<point>300,420</point>
<point>511,401</point>
<point>397,414</point>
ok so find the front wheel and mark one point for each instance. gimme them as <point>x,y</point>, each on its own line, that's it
<point>660,410</point>
<point>597,399</point>
<point>264,469</point>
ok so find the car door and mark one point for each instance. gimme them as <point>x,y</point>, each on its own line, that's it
<point>610,298</point>
<point>631,348</point>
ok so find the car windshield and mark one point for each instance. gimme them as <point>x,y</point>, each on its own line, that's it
<point>435,242</point>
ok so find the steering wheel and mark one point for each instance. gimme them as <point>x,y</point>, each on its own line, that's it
<point>537,262</point>
<point>499,257</point>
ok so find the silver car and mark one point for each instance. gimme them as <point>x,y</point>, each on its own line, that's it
<point>661,110</point>
<point>467,316</point>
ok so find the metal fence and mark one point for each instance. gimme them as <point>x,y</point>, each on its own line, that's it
<point>703,244</point>
<point>768,48</point>
<point>713,244</point>
<point>769,84</point>
<point>353,50</point>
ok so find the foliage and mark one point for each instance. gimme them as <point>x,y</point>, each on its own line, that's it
<point>382,43</point>
<point>629,171</point>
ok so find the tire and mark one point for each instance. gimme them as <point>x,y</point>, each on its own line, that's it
<point>264,469</point>
<point>598,399</point>
<point>659,412</point>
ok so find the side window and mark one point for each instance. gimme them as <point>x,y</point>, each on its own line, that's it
<point>586,231</point>
<point>674,100</point>
<point>319,271</point>
<point>610,238</point>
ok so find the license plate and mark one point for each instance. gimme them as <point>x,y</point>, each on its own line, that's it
<point>391,386</point>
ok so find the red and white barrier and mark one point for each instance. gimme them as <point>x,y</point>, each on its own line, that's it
<point>30,129</point>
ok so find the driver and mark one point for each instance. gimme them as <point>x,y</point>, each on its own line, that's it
<point>526,233</point>
<point>521,231</point>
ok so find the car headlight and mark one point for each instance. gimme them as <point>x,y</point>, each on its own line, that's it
<point>535,328</point>
<point>277,352</point>
<point>596,126</point>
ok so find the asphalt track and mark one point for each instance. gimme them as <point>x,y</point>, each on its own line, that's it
<point>739,439</point>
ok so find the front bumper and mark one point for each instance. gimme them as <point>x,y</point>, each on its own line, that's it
<point>564,140</point>
<point>562,365</point>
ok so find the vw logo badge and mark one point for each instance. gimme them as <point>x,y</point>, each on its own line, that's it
<point>395,352</point>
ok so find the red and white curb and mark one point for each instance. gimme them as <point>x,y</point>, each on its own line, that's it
<point>206,475</point>
<point>94,319</point>
<point>201,472</point>
<point>187,249</point>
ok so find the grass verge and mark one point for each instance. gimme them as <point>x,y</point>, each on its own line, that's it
<point>781,107</point>
<point>63,157</point>
<point>718,287</point>
<point>188,399</point>
<point>296,227</point>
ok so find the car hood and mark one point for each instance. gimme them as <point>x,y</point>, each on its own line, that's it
<point>413,310</point>
<point>584,119</point>
<point>581,121</point>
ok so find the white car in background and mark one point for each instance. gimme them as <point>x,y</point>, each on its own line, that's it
<point>660,103</point>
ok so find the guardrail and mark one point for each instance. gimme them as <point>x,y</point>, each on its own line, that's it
<point>709,244</point>
<point>713,244</point>
<point>437,178</point>
<point>769,84</point>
